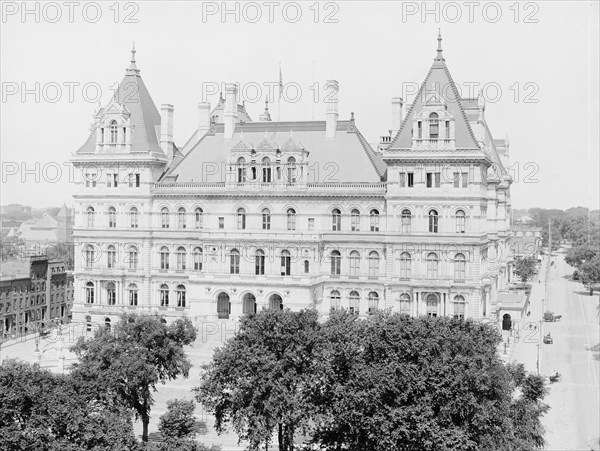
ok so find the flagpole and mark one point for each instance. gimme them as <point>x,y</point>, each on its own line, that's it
<point>280,93</point>
<point>313,85</point>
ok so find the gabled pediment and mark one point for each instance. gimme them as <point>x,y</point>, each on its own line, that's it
<point>265,144</point>
<point>291,145</point>
<point>242,145</point>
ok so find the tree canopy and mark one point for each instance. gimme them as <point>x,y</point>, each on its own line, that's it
<point>525,268</point>
<point>128,361</point>
<point>388,382</point>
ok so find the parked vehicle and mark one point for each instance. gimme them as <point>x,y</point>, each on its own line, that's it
<point>548,339</point>
<point>556,377</point>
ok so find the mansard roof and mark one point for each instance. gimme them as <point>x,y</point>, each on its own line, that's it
<point>132,97</point>
<point>219,110</point>
<point>438,79</point>
<point>345,158</point>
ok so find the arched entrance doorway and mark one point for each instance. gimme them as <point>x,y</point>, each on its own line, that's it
<point>275,302</point>
<point>223,305</point>
<point>249,304</point>
<point>506,322</point>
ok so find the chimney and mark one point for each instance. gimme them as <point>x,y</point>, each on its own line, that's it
<point>396,114</point>
<point>203,116</point>
<point>331,116</point>
<point>230,113</point>
<point>166,130</point>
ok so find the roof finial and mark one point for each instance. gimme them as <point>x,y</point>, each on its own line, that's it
<point>439,56</point>
<point>132,67</point>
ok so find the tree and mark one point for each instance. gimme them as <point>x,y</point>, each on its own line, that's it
<point>43,411</point>
<point>130,360</point>
<point>590,273</point>
<point>257,382</point>
<point>392,382</point>
<point>525,268</point>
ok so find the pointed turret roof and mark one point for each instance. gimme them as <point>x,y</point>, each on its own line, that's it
<point>439,80</point>
<point>63,212</point>
<point>132,97</point>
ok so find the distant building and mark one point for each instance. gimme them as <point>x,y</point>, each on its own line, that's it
<point>36,301</point>
<point>39,234</point>
<point>526,241</point>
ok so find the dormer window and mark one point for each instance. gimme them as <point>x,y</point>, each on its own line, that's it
<point>434,126</point>
<point>113,132</point>
<point>241,170</point>
<point>266,170</point>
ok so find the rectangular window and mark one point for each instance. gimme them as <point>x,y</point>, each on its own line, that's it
<point>456,180</point>
<point>447,129</point>
<point>403,179</point>
<point>429,179</point>
<point>437,177</point>
<point>109,180</point>
<point>311,223</point>
<point>221,222</point>
<point>419,130</point>
<point>465,179</point>
<point>411,179</point>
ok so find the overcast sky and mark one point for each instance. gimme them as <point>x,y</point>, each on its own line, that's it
<point>537,62</point>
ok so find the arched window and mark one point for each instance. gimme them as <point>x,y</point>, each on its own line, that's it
<point>432,305</point>
<point>249,304</point>
<point>111,294</point>
<point>374,218</point>
<point>336,263</point>
<point>90,256</point>
<point>434,126</point>
<point>291,219</point>
<point>111,257</point>
<point>433,221</point>
<point>355,220</point>
<point>241,218</point>
<point>89,293</point>
<point>113,132</point>
<point>88,323</point>
<point>133,217</point>
<point>90,213</point>
<point>266,219</point>
<point>459,307</point>
<point>180,290</point>
<point>181,258</point>
<point>223,305</point>
<point>286,263</point>
<point>275,302</point>
<point>133,294</point>
<point>432,265</point>
<point>198,259</point>
<point>405,304</point>
<point>181,214</point>
<point>406,220</point>
<point>198,218</point>
<point>266,170</point>
<point>164,258</point>
<point>234,261</point>
<point>373,265</point>
<point>133,257</point>
<point>291,170</point>
<point>354,302</point>
<point>112,217</point>
<point>107,323</point>
<point>373,301</point>
<point>460,266</point>
<point>306,266</point>
<point>336,220</point>
<point>405,266</point>
<point>460,221</point>
<point>335,300</point>
<point>164,217</point>
<point>241,170</point>
<point>259,262</point>
<point>354,264</point>
<point>164,295</point>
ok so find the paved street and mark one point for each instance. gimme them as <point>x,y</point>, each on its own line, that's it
<point>573,421</point>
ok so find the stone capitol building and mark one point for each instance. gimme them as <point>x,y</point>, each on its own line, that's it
<point>291,214</point>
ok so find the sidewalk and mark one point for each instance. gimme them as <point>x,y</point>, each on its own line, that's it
<point>524,342</point>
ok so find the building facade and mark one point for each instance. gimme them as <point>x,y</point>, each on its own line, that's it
<point>33,303</point>
<point>298,214</point>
